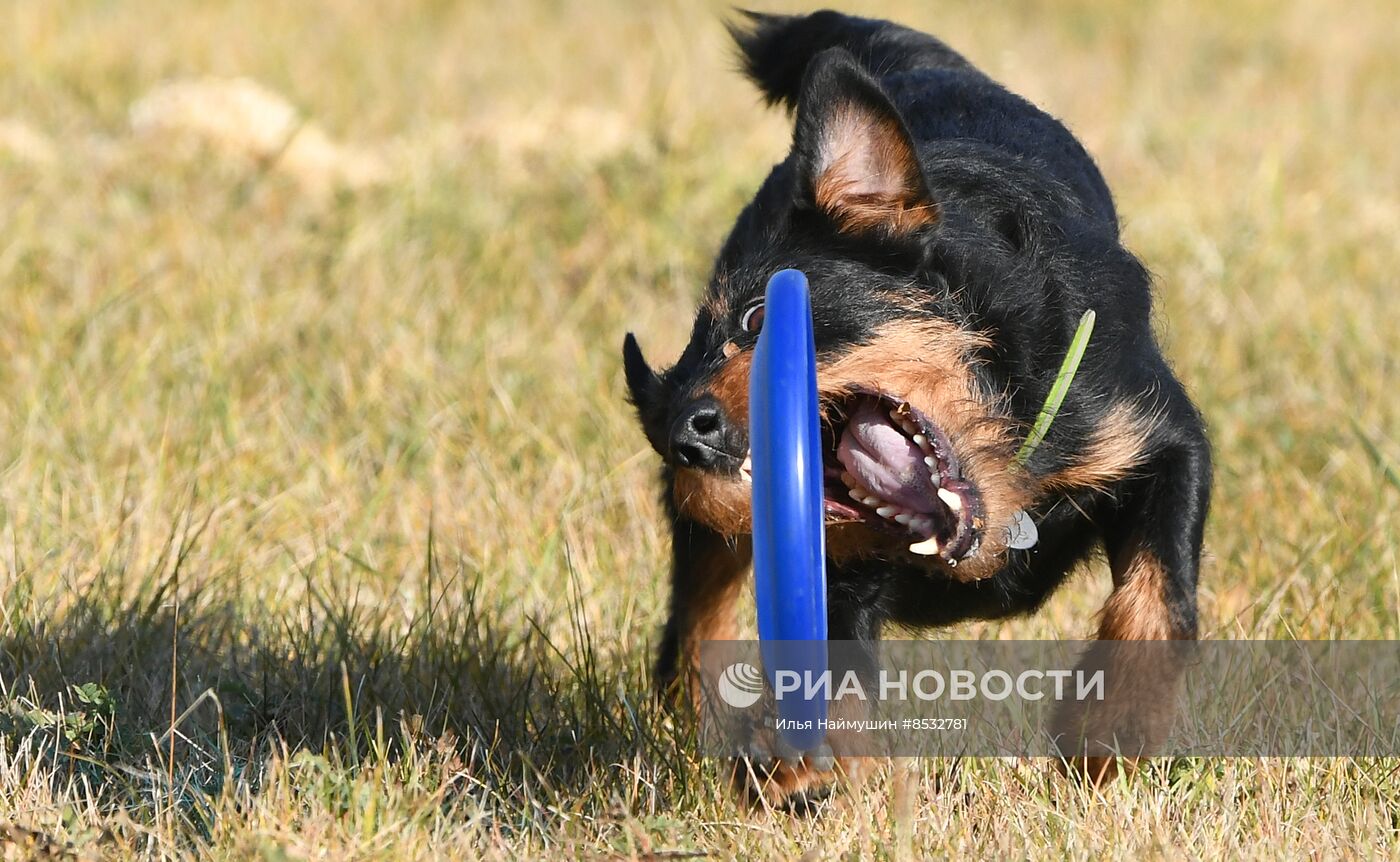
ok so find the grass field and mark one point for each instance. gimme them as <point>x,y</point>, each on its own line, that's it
<point>325,531</point>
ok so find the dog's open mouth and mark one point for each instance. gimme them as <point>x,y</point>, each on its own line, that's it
<point>889,466</point>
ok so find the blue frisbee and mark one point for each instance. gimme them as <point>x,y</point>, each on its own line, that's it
<point>788,540</point>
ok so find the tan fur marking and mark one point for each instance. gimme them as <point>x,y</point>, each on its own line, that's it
<point>715,303</point>
<point>1117,449</point>
<point>720,502</point>
<point>730,386</point>
<point>1137,610</point>
<point>869,177</point>
<point>709,612</point>
<point>716,298</point>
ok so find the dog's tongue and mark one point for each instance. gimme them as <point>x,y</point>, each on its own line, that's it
<point>882,459</point>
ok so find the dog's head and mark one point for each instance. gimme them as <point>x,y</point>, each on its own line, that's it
<point>919,436</point>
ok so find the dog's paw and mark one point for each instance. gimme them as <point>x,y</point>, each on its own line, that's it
<point>770,772</point>
<point>1102,739</point>
<point>1099,771</point>
<point>1097,744</point>
<point>799,784</point>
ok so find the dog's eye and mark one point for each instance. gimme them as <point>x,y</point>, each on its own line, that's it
<point>752,321</point>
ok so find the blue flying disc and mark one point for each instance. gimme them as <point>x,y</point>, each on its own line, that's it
<point>789,545</point>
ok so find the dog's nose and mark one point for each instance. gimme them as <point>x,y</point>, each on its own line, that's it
<point>701,436</point>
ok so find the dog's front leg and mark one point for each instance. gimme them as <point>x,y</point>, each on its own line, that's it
<point>1154,550</point>
<point>796,781</point>
<point>707,576</point>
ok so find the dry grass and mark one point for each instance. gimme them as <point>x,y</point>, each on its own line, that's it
<point>347,457</point>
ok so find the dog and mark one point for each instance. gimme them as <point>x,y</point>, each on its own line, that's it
<point>953,235</point>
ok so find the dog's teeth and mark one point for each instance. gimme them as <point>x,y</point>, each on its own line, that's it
<point>904,518</point>
<point>933,477</point>
<point>927,548</point>
<point>887,511</point>
<point>872,501</point>
<point>908,427</point>
<point>921,440</point>
<point>858,495</point>
<point>950,499</point>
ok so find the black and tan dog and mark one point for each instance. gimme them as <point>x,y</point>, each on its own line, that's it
<point>953,235</point>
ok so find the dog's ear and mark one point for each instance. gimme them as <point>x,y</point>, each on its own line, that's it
<point>642,382</point>
<point>856,160</point>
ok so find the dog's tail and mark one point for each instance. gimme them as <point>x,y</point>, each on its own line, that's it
<point>775,49</point>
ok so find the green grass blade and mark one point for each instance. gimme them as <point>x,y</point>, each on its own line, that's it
<point>1063,379</point>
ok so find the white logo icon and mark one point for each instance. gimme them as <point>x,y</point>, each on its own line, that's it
<point>740,685</point>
